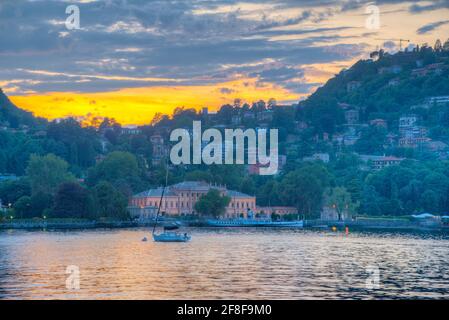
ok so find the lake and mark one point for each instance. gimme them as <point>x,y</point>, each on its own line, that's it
<point>223,264</point>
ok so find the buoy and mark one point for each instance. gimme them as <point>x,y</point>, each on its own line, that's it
<point>334,228</point>
<point>347,230</point>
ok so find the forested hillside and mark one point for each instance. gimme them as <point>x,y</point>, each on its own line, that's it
<point>374,139</point>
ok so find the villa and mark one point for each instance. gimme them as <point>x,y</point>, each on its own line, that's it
<point>180,199</point>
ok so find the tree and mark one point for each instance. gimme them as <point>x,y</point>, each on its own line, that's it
<point>72,201</point>
<point>120,169</point>
<point>40,203</point>
<point>446,45</point>
<point>438,46</point>
<point>247,186</point>
<point>429,201</point>
<point>11,191</point>
<point>272,103</point>
<point>304,188</point>
<point>212,203</point>
<point>22,207</point>
<point>340,199</point>
<point>109,202</point>
<point>46,173</point>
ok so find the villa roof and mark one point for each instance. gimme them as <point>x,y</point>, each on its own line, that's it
<point>188,185</point>
<point>155,193</point>
<point>236,194</point>
<point>196,185</point>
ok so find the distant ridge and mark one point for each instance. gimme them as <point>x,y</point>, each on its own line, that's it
<point>12,116</point>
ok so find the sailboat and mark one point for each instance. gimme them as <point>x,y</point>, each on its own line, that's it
<point>169,234</point>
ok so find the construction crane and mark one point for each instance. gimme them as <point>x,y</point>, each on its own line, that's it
<point>400,41</point>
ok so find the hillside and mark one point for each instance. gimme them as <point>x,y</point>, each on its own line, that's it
<point>381,88</point>
<point>376,134</point>
<point>12,116</point>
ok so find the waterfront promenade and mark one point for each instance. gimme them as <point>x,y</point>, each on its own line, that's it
<point>359,224</point>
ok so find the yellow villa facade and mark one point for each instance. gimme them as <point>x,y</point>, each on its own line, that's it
<point>180,199</point>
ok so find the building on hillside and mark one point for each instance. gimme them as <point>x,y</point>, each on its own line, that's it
<point>254,169</point>
<point>410,134</point>
<point>353,86</point>
<point>394,82</point>
<point>318,157</point>
<point>350,139</point>
<point>236,120</point>
<point>390,139</point>
<point>266,115</point>
<point>131,130</point>
<point>437,146</point>
<point>395,69</point>
<point>437,100</point>
<point>159,149</point>
<point>413,142</point>
<point>180,199</point>
<point>300,126</point>
<point>249,115</point>
<point>434,68</point>
<point>378,123</point>
<point>352,117</point>
<point>407,121</point>
<point>380,162</point>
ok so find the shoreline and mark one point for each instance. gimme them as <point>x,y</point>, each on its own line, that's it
<point>361,225</point>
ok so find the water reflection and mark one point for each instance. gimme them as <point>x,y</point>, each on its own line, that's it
<point>220,264</point>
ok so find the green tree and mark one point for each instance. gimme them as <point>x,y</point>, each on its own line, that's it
<point>118,168</point>
<point>247,186</point>
<point>11,191</point>
<point>40,203</point>
<point>340,199</point>
<point>72,201</point>
<point>22,208</point>
<point>46,173</point>
<point>304,188</point>
<point>212,204</point>
<point>109,202</point>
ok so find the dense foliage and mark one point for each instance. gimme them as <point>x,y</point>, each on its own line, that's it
<point>66,169</point>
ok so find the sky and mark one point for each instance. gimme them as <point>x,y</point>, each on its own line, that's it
<point>130,59</point>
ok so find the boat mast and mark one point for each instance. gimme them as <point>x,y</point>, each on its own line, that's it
<point>162,196</point>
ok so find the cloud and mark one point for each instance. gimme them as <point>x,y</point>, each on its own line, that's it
<point>434,5</point>
<point>431,26</point>
<point>153,43</point>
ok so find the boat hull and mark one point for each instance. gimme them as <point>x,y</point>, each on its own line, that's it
<point>171,237</point>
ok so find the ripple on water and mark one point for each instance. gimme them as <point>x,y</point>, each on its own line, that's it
<point>223,263</point>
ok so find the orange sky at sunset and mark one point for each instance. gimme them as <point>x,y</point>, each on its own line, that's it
<point>138,105</point>
<point>128,61</point>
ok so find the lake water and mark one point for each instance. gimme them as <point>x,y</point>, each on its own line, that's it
<point>223,263</point>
